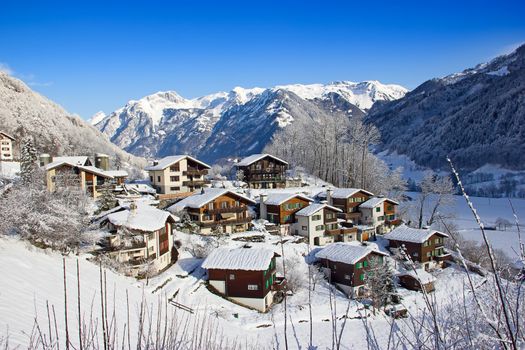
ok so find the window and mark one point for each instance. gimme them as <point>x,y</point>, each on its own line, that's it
<point>206,217</point>
<point>316,217</point>
<point>415,254</point>
<point>347,277</point>
<point>358,265</point>
<point>175,167</point>
<point>378,209</point>
<point>362,277</point>
<point>287,217</point>
<point>176,188</point>
<point>158,178</point>
<point>151,178</point>
<point>210,206</point>
<point>365,263</point>
<point>426,244</point>
<point>304,228</point>
<point>253,287</point>
<point>319,227</point>
<point>437,240</point>
<point>329,215</point>
<point>174,178</point>
<point>224,205</point>
<point>381,218</point>
<point>429,254</point>
<point>232,276</point>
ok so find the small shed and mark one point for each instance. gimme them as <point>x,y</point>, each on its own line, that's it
<point>417,280</point>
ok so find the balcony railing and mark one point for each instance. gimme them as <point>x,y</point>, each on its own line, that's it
<point>195,172</point>
<point>142,261</point>
<point>341,231</point>
<point>225,210</point>
<point>395,222</point>
<point>225,222</point>
<point>192,183</point>
<point>265,171</point>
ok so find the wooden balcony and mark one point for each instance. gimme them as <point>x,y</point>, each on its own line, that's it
<point>225,210</point>
<point>195,172</point>
<point>443,257</point>
<point>341,231</point>
<point>395,222</point>
<point>236,221</point>
<point>142,261</point>
<point>194,183</point>
<point>265,171</point>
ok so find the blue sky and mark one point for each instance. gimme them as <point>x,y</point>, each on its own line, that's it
<point>96,56</point>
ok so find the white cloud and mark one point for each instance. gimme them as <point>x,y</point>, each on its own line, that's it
<point>4,67</point>
<point>35,83</point>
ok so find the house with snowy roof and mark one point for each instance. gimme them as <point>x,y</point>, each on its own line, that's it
<point>79,171</point>
<point>279,208</point>
<point>346,265</point>
<point>348,200</point>
<point>178,174</point>
<point>6,147</point>
<point>380,213</point>
<point>425,246</point>
<point>244,275</point>
<point>216,210</point>
<point>319,223</point>
<point>263,171</point>
<point>417,279</point>
<point>141,237</point>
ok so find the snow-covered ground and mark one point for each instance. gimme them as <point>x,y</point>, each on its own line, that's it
<point>9,169</point>
<point>33,277</point>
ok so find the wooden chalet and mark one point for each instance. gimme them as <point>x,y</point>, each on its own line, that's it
<point>381,213</point>
<point>216,210</point>
<point>348,201</point>
<point>425,246</point>
<point>141,237</point>
<point>319,223</point>
<point>346,265</point>
<point>6,147</point>
<point>280,208</point>
<point>247,276</point>
<point>263,171</point>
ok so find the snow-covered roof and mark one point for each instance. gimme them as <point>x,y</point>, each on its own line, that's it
<point>255,157</point>
<point>375,201</point>
<point>314,208</point>
<point>74,160</point>
<point>248,259</point>
<point>143,218</point>
<point>7,135</point>
<point>88,168</point>
<point>408,234</point>
<point>280,198</point>
<point>344,193</point>
<point>167,161</point>
<point>345,253</point>
<point>420,274</point>
<point>199,199</point>
<point>143,188</point>
<point>117,173</point>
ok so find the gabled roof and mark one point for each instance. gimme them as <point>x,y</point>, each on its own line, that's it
<point>345,253</point>
<point>144,218</point>
<point>255,157</point>
<point>74,160</point>
<point>168,161</point>
<point>375,201</point>
<point>116,173</point>
<point>89,169</point>
<point>7,135</point>
<point>404,233</point>
<point>247,259</point>
<point>314,208</point>
<point>280,198</point>
<point>344,193</point>
<point>200,199</point>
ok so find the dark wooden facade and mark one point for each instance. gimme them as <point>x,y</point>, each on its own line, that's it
<point>285,212</point>
<point>237,281</point>
<point>410,282</point>
<point>351,275</point>
<point>224,210</point>
<point>267,172</point>
<point>430,250</point>
<point>195,173</point>
<point>350,205</point>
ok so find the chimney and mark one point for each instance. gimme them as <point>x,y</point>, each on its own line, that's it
<point>102,161</point>
<point>329,192</point>
<point>133,207</point>
<point>263,213</point>
<point>202,190</point>
<point>155,162</point>
<point>45,159</point>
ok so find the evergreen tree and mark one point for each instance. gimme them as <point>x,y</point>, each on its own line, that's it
<point>27,160</point>
<point>380,282</point>
<point>107,199</point>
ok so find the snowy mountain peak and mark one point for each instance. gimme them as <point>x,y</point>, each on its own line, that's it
<point>97,118</point>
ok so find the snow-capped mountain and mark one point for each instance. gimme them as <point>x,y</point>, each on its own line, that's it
<point>97,118</point>
<point>24,112</point>
<point>238,122</point>
<point>476,117</point>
